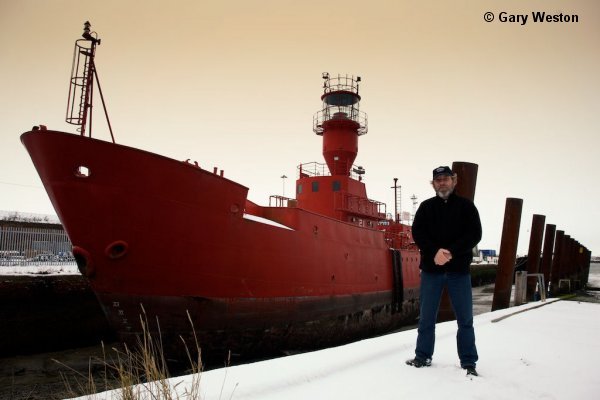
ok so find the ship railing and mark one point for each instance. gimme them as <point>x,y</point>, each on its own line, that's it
<point>314,168</point>
<point>281,201</point>
<point>340,83</point>
<point>399,240</point>
<point>360,205</point>
<point>338,113</point>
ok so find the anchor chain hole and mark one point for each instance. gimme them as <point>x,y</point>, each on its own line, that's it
<point>116,249</point>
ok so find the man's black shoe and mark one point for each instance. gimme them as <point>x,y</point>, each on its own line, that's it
<point>471,370</point>
<point>419,362</point>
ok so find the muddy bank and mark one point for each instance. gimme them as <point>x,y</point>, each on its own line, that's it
<point>54,375</point>
<point>43,313</point>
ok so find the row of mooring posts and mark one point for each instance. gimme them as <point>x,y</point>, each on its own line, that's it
<point>556,262</point>
<point>561,265</point>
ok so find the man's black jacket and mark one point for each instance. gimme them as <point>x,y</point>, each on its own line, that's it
<point>451,224</point>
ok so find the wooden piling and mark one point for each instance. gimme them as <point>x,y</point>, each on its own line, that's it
<point>508,253</point>
<point>467,179</point>
<point>584,266</point>
<point>558,241</point>
<point>573,271</point>
<point>565,259</point>
<point>586,272</point>
<point>547,253</point>
<point>533,255</point>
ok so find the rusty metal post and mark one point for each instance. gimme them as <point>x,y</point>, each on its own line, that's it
<point>586,272</point>
<point>573,271</point>
<point>582,267</point>
<point>556,262</point>
<point>465,187</point>
<point>508,253</point>
<point>565,258</point>
<point>547,253</point>
<point>467,179</point>
<point>533,255</point>
<point>581,263</point>
<point>576,265</point>
<point>568,259</point>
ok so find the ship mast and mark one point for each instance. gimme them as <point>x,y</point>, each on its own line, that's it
<point>81,88</point>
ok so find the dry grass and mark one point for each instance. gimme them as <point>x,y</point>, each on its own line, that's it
<point>138,373</point>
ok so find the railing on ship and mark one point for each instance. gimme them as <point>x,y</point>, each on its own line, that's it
<point>280,201</point>
<point>400,240</point>
<point>340,83</point>
<point>360,206</point>
<point>346,112</point>
<point>314,168</point>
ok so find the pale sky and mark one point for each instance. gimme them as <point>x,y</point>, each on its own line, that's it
<point>235,84</point>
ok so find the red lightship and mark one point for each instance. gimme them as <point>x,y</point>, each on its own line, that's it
<point>323,268</point>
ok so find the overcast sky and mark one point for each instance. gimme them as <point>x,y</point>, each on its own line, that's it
<point>235,84</point>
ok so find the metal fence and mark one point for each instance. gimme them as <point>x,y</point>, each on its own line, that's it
<point>26,245</point>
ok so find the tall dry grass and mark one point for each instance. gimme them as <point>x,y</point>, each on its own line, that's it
<point>138,373</point>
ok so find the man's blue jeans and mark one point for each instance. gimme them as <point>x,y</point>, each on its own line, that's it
<point>459,289</point>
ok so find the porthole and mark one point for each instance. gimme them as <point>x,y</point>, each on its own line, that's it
<point>82,172</point>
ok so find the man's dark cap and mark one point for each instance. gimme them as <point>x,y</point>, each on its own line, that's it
<point>442,171</point>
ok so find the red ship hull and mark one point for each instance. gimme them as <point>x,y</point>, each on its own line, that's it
<point>148,230</point>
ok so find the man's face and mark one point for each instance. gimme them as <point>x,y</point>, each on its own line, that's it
<point>443,186</point>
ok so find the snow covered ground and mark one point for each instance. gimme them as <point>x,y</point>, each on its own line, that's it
<point>59,269</point>
<point>540,351</point>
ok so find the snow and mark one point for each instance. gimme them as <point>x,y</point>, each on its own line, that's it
<point>28,217</point>
<point>538,351</point>
<point>541,350</point>
<point>265,221</point>
<point>31,269</point>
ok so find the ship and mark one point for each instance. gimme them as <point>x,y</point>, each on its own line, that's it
<point>185,245</point>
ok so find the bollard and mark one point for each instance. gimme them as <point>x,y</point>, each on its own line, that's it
<point>465,187</point>
<point>508,253</point>
<point>533,255</point>
<point>547,253</point>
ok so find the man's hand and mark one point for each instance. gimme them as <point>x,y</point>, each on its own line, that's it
<point>442,257</point>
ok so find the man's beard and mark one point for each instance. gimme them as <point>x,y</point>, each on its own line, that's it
<point>445,193</point>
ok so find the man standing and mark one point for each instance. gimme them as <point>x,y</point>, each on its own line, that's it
<point>446,228</point>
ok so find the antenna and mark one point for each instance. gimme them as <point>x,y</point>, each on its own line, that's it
<point>414,204</point>
<point>397,200</point>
